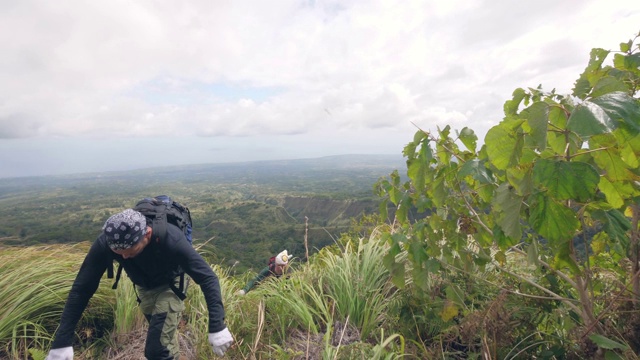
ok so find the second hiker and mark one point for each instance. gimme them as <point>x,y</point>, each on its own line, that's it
<point>277,267</point>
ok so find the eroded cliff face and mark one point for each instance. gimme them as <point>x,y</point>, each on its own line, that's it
<point>327,210</point>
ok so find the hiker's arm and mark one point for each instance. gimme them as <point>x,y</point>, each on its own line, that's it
<point>253,282</point>
<point>84,286</point>
<point>198,269</point>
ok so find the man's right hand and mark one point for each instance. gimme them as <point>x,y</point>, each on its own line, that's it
<point>60,354</point>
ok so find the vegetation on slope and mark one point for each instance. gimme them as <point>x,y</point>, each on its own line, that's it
<point>244,213</point>
<point>556,182</point>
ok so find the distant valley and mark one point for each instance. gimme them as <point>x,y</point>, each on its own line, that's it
<point>244,212</point>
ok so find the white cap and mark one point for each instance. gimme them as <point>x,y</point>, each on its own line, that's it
<point>282,258</point>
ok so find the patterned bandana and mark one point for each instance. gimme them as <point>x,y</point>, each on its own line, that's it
<point>125,229</point>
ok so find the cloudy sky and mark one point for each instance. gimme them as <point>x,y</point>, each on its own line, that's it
<point>91,86</point>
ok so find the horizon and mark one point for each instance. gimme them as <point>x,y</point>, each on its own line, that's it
<point>158,167</point>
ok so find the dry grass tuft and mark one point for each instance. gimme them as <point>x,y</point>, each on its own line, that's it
<point>310,346</point>
<point>133,346</point>
<point>344,334</point>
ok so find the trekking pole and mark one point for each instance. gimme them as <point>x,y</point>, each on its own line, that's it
<point>306,232</point>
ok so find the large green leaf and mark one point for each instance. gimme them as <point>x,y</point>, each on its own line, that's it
<point>402,211</point>
<point>616,192</point>
<point>591,74</point>
<point>604,114</point>
<point>420,277</point>
<point>563,256</point>
<point>416,172</point>
<point>553,221</point>
<point>383,209</point>
<point>566,180</point>
<point>520,178</point>
<point>419,135</point>
<point>477,170</point>
<point>610,160</point>
<point>426,153</point>
<point>417,254</point>
<point>627,62</point>
<point>589,119</point>
<point>438,190</point>
<point>507,204</point>
<point>619,106</point>
<point>501,239</point>
<point>628,155</point>
<point>607,85</point>
<point>409,150</point>
<point>503,148</point>
<point>537,116</point>
<point>558,117</point>
<point>469,139</point>
<point>511,106</point>
<point>616,225</point>
<point>395,268</point>
<point>557,143</point>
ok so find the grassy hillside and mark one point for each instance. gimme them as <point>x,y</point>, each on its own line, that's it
<point>281,319</point>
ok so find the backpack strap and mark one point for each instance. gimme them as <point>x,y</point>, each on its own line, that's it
<point>110,273</point>
<point>115,282</point>
<point>118,274</point>
<point>179,291</point>
<point>110,270</point>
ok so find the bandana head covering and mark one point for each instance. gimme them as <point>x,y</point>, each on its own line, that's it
<point>125,229</point>
<point>282,258</point>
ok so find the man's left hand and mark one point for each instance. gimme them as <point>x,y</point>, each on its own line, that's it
<point>220,341</point>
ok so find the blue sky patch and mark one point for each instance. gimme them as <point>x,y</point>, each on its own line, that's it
<point>184,92</point>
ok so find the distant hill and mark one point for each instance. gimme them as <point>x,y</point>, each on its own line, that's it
<point>239,172</point>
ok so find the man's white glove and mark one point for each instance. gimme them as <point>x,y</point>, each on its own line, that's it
<point>220,341</point>
<point>241,292</point>
<point>65,353</point>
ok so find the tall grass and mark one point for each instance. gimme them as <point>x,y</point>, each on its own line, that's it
<point>127,316</point>
<point>299,301</point>
<point>305,312</point>
<point>197,314</point>
<point>359,284</point>
<point>338,291</point>
<point>34,285</point>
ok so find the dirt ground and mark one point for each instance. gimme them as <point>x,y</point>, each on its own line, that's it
<point>133,347</point>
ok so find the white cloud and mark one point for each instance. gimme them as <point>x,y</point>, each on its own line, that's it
<point>280,70</point>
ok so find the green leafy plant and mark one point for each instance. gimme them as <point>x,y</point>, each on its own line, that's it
<point>555,181</point>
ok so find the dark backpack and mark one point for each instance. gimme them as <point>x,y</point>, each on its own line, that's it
<point>160,211</point>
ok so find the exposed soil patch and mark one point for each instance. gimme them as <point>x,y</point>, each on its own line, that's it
<point>132,347</point>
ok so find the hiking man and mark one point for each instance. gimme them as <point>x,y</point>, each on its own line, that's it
<point>154,265</point>
<point>277,267</point>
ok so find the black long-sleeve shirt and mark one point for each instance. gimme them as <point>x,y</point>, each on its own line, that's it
<point>158,264</point>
